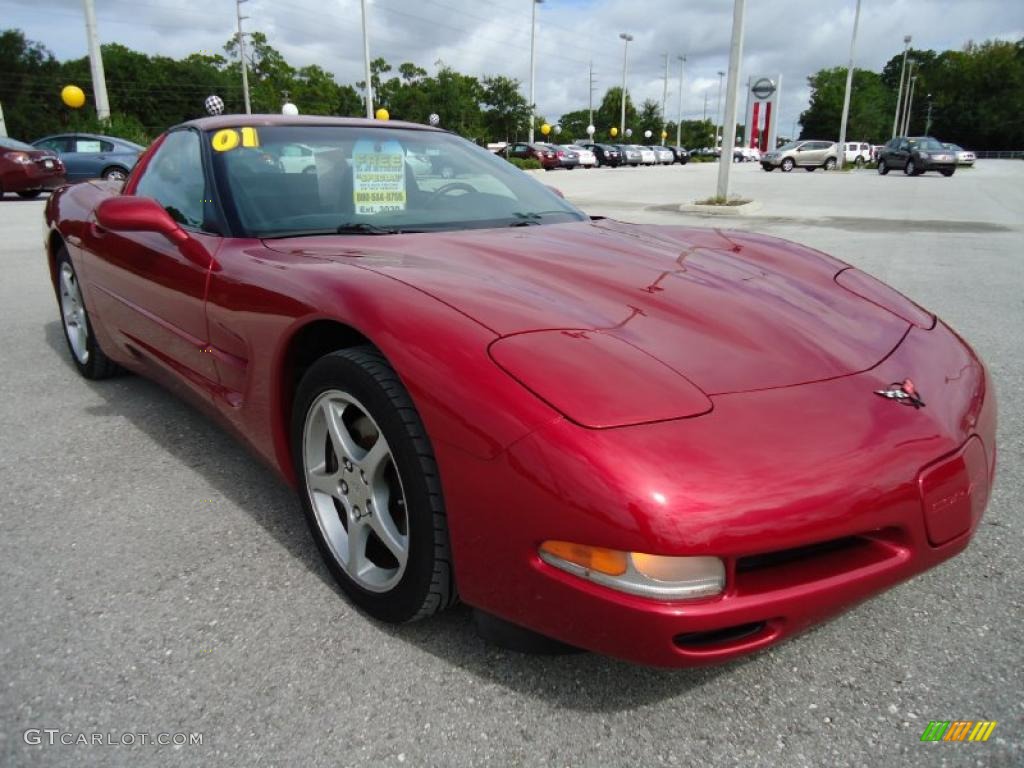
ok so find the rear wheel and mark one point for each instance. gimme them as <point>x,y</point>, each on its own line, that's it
<point>830,164</point>
<point>115,173</point>
<point>910,169</point>
<point>882,167</point>
<point>30,194</point>
<point>858,161</point>
<point>787,165</point>
<point>85,350</point>
<point>948,173</point>
<point>370,486</point>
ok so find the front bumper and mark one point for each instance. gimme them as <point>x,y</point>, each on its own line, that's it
<point>779,471</point>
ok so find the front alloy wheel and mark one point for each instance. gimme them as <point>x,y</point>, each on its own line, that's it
<point>371,491</point>
<point>787,165</point>
<point>910,169</point>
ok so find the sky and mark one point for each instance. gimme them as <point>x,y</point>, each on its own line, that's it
<point>793,38</point>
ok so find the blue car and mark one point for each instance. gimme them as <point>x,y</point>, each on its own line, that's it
<point>90,156</point>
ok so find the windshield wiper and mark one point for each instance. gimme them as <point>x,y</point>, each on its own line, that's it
<point>525,219</point>
<point>366,228</point>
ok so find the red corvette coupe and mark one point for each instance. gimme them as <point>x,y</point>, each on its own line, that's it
<point>669,445</point>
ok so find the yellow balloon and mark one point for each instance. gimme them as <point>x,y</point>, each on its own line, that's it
<point>664,134</point>
<point>382,114</point>
<point>73,96</point>
<point>545,129</point>
<point>614,132</point>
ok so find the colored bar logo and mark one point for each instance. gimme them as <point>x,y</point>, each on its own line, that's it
<point>959,730</point>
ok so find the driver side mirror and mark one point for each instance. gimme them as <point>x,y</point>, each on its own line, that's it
<point>138,214</point>
<point>144,214</point>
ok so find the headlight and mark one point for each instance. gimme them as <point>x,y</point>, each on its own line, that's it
<point>655,576</point>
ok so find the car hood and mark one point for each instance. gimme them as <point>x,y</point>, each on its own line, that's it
<point>732,312</point>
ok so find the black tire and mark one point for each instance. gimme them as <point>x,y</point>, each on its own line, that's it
<point>830,164</point>
<point>948,173</point>
<point>910,169</point>
<point>97,365</point>
<point>768,168</point>
<point>115,173</point>
<point>858,161</point>
<point>30,194</point>
<point>787,165</point>
<point>882,167</point>
<point>427,584</point>
<point>809,168</point>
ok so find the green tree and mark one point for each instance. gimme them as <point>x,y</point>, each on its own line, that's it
<point>507,115</point>
<point>871,106</point>
<point>608,113</point>
<point>574,124</point>
<point>649,119</point>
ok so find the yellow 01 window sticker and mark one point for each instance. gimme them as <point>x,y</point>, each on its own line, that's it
<point>227,139</point>
<point>378,177</point>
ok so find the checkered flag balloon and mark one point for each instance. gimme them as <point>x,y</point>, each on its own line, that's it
<point>214,105</point>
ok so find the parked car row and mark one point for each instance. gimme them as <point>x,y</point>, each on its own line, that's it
<point>49,162</point>
<point>593,155</point>
<point>913,155</point>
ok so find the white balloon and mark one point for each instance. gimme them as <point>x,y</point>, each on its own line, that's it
<point>435,119</point>
<point>289,109</point>
<point>558,129</point>
<point>590,130</point>
<point>647,134</point>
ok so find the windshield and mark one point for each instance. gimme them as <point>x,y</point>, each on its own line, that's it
<point>789,145</point>
<point>925,144</point>
<point>288,180</point>
<point>7,143</point>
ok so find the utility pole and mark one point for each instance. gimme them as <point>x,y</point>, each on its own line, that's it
<point>99,79</point>
<point>590,94</point>
<point>241,55</point>
<point>928,122</point>
<point>910,106</point>
<point>625,58</point>
<point>841,159</point>
<point>899,96</point>
<point>679,122</point>
<point>718,107</point>
<point>705,118</point>
<point>368,95</point>
<point>664,101</point>
<point>533,63</point>
<point>735,57</point>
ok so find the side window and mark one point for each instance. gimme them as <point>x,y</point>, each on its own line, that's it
<point>174,178</point>
<point>88,146</point>
<point>59,144</point>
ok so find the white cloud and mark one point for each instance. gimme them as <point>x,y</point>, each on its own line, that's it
<point>794,37</point>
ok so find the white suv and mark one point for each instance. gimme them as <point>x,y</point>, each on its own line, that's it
<point>858,153</point>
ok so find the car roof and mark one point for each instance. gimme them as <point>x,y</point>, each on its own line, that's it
<point>237,121</point>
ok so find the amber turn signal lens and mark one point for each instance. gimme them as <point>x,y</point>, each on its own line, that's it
<point>609,561</point>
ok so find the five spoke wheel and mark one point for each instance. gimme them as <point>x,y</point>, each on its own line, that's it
<point>355,491</point>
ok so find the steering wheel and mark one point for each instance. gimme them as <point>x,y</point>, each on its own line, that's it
<point>455,186</point>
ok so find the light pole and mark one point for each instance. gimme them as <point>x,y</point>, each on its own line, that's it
<point>533,60</point>
<point>590,99</point>
<point>627,38</point>
<point>366,61</point>
<point>729,139</point>
<point>910,105</point>
<point>718,110</point>
<point>679,122</point>
<point>99,80</point>
<point>664,101</point>
<point>928,122</point>
<point>899,96</point>
<point>846,97</point>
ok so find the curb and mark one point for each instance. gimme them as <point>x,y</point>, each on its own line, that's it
<point>721,210</point>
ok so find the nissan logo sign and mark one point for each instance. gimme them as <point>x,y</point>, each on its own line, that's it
<point>763,88</point>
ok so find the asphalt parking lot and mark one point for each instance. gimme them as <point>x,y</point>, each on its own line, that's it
<point>158,579</point>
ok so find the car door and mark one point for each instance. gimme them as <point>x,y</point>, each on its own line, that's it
<point>899,153</point>
<point>148,294</point>
<point>85,156</point>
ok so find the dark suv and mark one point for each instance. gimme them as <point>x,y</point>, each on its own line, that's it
<point>915,155</point>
